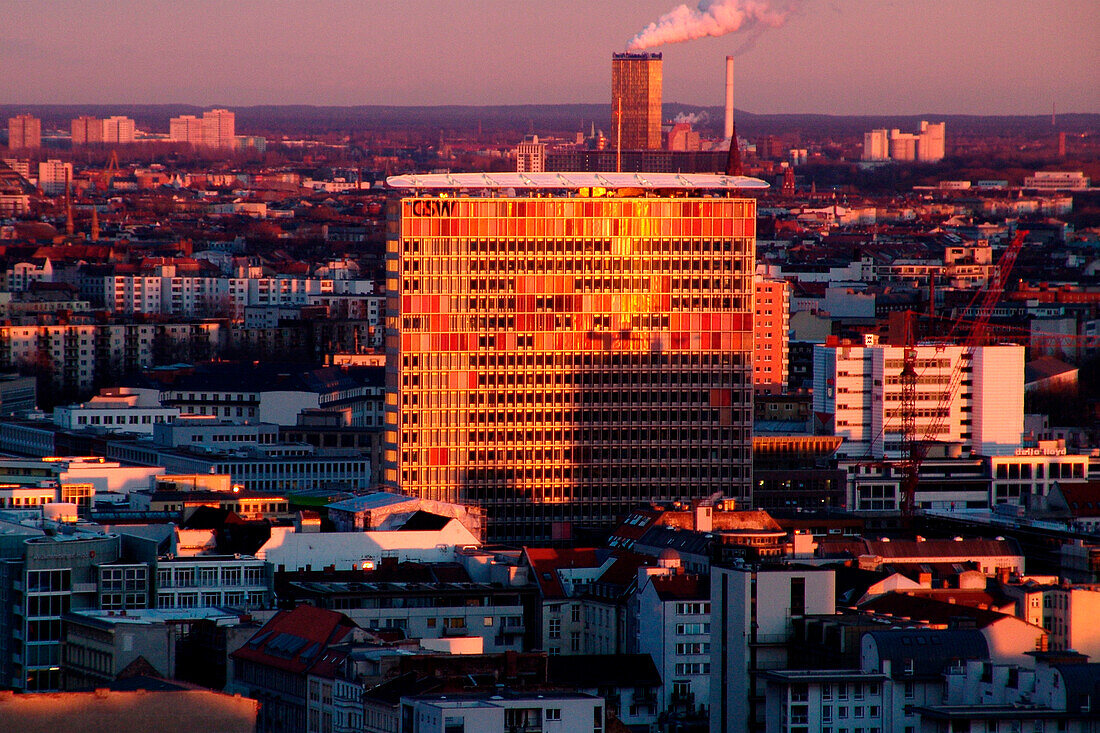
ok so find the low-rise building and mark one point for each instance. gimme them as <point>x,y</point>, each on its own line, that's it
<point>506,711</point>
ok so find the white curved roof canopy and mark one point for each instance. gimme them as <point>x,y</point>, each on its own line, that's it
<point>574,180</point>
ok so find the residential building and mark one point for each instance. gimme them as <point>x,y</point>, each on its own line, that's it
<point>972,396</point>
<point>751,626</point>
<point>101,644</point>
<point>503,712</point>
<point>531,155</point>
<point>118,130</point>
<point>219,129</point>
<point>54,176</point>
<point>1052,694</point>
<point>568,390</point>
<point>628,683</point>
<point>274,666</point>
<point>898,669</point>
<point>636,101</point>
<point>771,329</point>
<point>186,129</point>
<point>425,601</point>
<point>24,132</point>
<point>670,621</point>
<point>87,131</point>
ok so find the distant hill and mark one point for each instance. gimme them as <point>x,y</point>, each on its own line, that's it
<point>544,118</point>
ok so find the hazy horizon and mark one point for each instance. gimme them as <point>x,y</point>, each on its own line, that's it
<point>831,57</point>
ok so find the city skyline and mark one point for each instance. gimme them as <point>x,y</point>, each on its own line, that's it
<point>862,57</point>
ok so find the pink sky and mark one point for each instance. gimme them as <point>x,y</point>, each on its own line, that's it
<point>834,56</point>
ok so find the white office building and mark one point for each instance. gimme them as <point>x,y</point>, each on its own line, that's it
<point>858,391</point>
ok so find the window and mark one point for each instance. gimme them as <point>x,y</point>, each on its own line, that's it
<point>553,713</point>
<point>554,628</point>
<point>576,613</point>
<point>798,596</point>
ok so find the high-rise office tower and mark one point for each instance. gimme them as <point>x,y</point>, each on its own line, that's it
<point>218,128</point>
<point>636,97</point>
<point>24,132</point>
<point>560,359</point>
<point>87,130</point>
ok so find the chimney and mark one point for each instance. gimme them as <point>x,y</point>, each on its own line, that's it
<point>729,97</point>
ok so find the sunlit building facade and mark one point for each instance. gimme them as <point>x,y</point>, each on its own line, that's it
<point>636,80</point>
<point>558,360</point>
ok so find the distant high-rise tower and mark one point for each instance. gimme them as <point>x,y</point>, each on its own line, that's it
<point>636,96</point>
<point>531,155</point>
<point>185,129</point>
<point>219,128</point>
<point>560,360</point>
<point>24,132</point>
<point>87,130</point>
<point>118,130</point>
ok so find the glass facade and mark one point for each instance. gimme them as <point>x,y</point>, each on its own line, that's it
<point>636,89</point>
<point>558,361</point>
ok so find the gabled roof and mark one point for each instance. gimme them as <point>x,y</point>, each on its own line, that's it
<point>295,641</point>
<point>681,587</point>
<point>922,609</point>
<point>930,650</point>
<point>1082,499</point>
<point>624,570</point>
<point>546,561</point>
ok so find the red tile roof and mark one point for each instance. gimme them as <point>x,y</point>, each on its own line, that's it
<point>1083,499</point>
<point>545,562</point>
<point>295,641</point>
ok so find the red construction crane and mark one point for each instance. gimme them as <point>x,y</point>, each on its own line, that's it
<point>917,448</point>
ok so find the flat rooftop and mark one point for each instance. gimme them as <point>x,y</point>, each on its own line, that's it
<point>574,181</point>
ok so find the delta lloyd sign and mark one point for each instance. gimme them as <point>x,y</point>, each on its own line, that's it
<point>432,207</point>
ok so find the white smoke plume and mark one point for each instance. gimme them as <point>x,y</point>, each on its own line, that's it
<point>712,18</point>
<point>692,118</point>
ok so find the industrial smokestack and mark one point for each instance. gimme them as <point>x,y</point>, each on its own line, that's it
<point>729,98</point>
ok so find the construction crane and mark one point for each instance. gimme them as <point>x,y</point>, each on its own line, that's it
<point>108,174</point>
<point>916,449</point>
